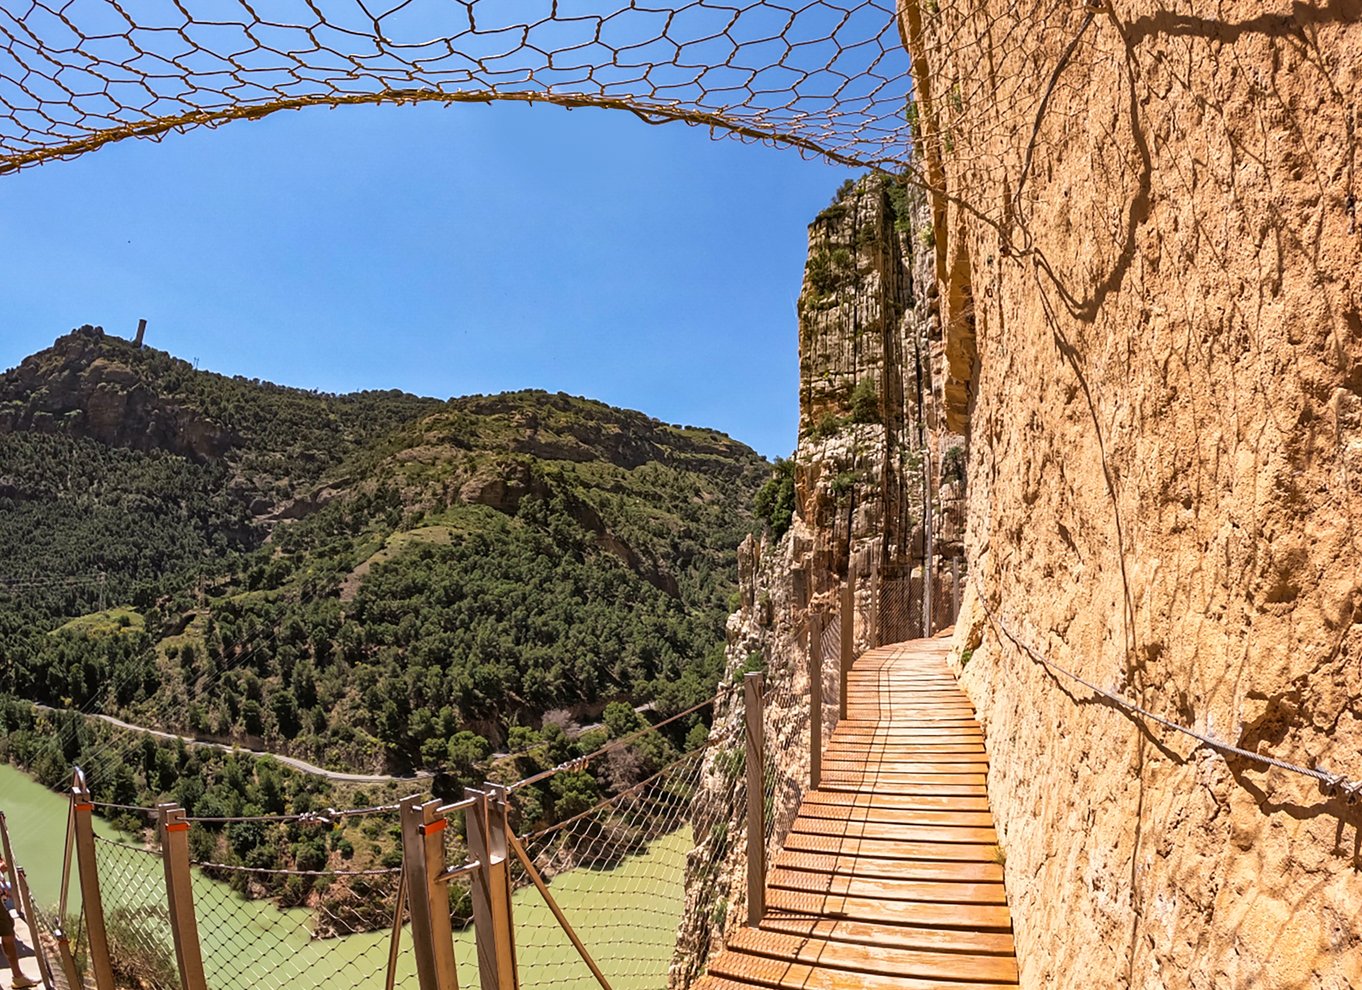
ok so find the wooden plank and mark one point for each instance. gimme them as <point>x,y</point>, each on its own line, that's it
<point>959,892</point>
<point>896,833</point>
<point>907,733</point>
<point>776,974</point>
<point>900,869</point>
<point>925,939</point>
<point>945,754</point>
<point>887,749</point>
<point>923,914</point>
<point>898,816</point>
<point>866,785</point>
<point>887,778</point>
<point>855,845</point>
<point>924,802</point>
<point>914,762</point>
<point>881,959</point>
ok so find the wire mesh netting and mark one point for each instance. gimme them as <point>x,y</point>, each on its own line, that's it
<point>338,934</point>
<point>785,755</point>
<point>898,612</point>
<point>828,75</point>
<point>617,869</point>
<point>136,918</point>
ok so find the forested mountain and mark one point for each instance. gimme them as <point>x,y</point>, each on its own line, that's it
<point>369,581</point>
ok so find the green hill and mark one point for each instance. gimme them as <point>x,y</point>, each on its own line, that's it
<point>373,580</point>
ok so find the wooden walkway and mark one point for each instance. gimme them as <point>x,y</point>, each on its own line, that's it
<point>890,876</point>
<point>26,960</point>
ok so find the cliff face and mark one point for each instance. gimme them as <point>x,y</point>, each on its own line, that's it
<point>871,437</point>
<point>1153,313</point>
<point>80,387</point>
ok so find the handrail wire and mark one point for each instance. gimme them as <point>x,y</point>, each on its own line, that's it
<point>579,762</point>
<point>1331,784</point>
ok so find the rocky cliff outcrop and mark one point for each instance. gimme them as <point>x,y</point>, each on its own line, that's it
<point>871,445</point>
<point>79,387</point>
<point>1148,258</point>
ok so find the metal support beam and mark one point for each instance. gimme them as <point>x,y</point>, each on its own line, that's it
<point>184,926</point>
<point>955,589</point>
<point>92,904</point>
<point>68,962</point>
<point>537,878</point>
<point>814,631</point>
<point>423,859</point>
<point>848,640</point>
<point>876,634</point>
<point>754,733</point>
<point>493,926</point>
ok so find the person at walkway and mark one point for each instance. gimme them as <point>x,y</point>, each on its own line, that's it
<point>7,939</point>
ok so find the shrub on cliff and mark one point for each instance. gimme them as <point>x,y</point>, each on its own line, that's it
<point>865,402</point>
<point>775,501</point>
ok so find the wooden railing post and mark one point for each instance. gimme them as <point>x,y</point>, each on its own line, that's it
<point>848,639</point>
<point>423,859</point>
<point>184,925</point>
<point>92,904</point>
<point>814,630</point>
<point>493,926</point>
<point>754,733</point>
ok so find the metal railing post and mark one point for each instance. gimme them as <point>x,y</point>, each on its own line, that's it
<point>423,859</point>
<point>184,925</point>
<point>754,733</point>
<point>955,589</point>
<point>848,640</point>
<point>814,631</point>
<point>494,929</point>
<point>64,953</point>
<point>92,904</point>
<point>876,634</point>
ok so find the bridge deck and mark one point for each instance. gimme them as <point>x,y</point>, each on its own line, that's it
<point>26,960</point>
<point>890,876</point>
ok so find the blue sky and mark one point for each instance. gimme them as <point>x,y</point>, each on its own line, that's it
<point>439,250</point>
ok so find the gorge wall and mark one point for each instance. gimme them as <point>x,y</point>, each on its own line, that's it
<point>872,444</point>
<point>1149,262</point>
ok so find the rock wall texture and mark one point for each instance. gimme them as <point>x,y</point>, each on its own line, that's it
<point>1154,338</point>
<point>871,443</point>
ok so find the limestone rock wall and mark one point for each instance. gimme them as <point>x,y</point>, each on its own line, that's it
<point>1155,340</point>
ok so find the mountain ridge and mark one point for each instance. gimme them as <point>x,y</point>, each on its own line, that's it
<point>274,552</point>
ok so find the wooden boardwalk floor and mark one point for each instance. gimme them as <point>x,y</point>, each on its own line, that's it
<point>890,876</point>
<point>26,960</point>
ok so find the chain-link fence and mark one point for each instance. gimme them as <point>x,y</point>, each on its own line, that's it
<point>339,934</point>
<point>136,916</point>
<point>595,880</point>
<point>616,869</point>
